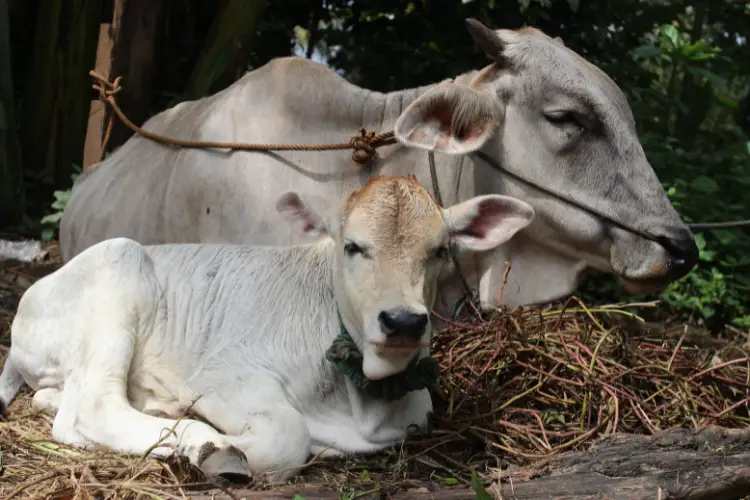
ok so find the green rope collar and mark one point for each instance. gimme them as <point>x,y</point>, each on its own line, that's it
<point>419,373</point>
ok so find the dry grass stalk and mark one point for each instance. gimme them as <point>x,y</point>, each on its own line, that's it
<point>517,387</point>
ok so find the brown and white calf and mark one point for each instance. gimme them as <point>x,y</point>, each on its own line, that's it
<point>121,339</point>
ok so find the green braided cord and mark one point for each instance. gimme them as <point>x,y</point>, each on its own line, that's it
<point>419,374</point>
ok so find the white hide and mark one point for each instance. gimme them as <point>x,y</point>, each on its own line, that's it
<point>538,108</point>
<point>124,337</point>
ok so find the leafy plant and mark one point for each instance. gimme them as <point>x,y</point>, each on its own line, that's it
<point>51,222</point>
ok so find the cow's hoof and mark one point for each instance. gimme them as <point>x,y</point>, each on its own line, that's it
<point>229,464</point>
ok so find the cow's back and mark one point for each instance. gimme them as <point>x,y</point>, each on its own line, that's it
<point>156,193</point>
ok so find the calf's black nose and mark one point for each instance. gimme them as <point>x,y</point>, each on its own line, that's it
<point>402,322</point>
<point>684,253</point>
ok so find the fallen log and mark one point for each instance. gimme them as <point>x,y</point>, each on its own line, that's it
<point>676,464</point>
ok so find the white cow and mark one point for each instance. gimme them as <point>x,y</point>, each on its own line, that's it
<point>121,339</point>
<point>539,109</point>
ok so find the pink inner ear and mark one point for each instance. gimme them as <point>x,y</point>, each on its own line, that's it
<point>490,213</point>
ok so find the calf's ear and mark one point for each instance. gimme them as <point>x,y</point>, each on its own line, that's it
<point>312,217</point>
<point>450,118</point>
<point>484,222</point>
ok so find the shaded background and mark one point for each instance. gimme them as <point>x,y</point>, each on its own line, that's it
<point>684,65</point>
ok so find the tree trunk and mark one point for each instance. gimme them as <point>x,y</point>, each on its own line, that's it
<point>11,174</point>
<point>677,464</point>
<point>225,55</point>
<point>136,25</point>
<point>56,104</point>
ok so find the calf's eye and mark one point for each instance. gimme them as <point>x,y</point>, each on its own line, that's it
<point>352,249</point>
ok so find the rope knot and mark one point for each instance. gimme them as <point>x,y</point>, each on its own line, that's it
<point>362,145</point>
<point>105,88</point>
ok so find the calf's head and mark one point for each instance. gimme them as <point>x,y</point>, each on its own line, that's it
<point>391,242</point>
<point>548,115</point>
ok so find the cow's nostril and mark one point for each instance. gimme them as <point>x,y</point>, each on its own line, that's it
<point>684,253</point>
<point>402,321</point>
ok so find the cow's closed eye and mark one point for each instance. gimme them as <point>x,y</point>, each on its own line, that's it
<point>564,119</point>
<point>351,249</point>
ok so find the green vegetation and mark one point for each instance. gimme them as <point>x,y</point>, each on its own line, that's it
<point>684,64</point>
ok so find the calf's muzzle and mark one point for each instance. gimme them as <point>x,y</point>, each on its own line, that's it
<point>402,322</point>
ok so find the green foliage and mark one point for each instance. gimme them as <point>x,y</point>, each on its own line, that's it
<point>51,221</point>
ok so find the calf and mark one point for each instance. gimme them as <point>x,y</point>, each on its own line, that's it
<point>122,339</point>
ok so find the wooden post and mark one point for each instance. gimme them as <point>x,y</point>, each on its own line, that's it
<point>92,148</point>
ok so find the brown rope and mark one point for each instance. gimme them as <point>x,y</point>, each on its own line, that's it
<point>364,145</point>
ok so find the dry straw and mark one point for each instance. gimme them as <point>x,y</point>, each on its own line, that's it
<point>516,387</point>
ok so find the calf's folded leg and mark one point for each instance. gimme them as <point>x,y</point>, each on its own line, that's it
<point>94,406</point>
<point>259,420</point>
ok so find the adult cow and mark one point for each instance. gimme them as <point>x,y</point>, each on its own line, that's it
<point>123,335</point>
<point>539,109</point>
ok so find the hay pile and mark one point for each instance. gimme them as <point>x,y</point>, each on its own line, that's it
<point>517,387</point>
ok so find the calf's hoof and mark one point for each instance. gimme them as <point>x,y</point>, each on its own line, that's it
<point>229,464</point>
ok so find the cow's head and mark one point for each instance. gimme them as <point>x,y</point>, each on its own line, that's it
<point>550,116</point>
<point>391,244</point>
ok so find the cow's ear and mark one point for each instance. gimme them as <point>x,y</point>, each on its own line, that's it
<point>484,222</point>
<point>311,216</point>
<point>450,118</point>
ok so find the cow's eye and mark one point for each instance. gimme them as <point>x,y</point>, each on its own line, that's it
<point>564,119</point>
<point>352,249</point>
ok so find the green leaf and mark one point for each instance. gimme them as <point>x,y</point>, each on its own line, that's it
<point>704,185</point>
<point>365,476</point>
<point>450,481</point>
<point>726,100</point>
<point>646,51</point>
<point>52,218</point>
<point>476,485</point>
<point>47,233</point>
<point>710,76</point>
<point>672,34</point>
